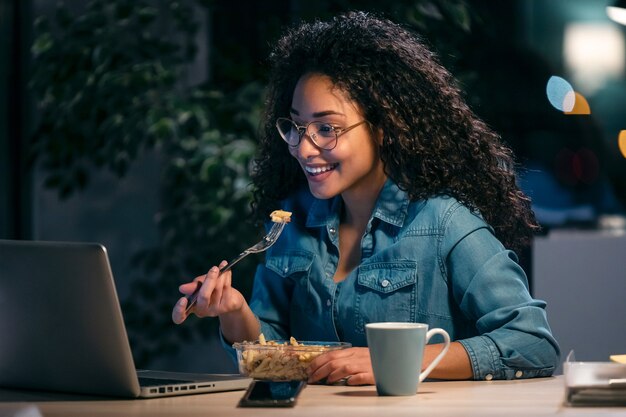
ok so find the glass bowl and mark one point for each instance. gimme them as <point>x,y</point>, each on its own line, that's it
<point>281,360</point>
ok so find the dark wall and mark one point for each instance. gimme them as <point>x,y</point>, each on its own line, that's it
<point>15,192</point>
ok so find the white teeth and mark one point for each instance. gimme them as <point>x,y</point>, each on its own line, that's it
<point>319,170</point>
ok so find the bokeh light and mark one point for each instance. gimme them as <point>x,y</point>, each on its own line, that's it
<point>593,53</point>
<point>581,106</point>
<point>560,94</point>
<point>617,14</point>
<point>621,142</point>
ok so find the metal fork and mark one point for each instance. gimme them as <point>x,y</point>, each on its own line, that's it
<point>268,240</point>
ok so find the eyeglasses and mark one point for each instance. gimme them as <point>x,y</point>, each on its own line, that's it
<point>323,135</point>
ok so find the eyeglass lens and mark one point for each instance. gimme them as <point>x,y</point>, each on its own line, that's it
<point>322,134</point>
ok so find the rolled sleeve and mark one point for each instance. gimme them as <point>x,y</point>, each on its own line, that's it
<point>513,336</point>
<point>484,357</point>
<point>488,364</point>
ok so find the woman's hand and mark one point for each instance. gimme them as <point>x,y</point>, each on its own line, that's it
<point>216,296</point>
<point>352,364</point>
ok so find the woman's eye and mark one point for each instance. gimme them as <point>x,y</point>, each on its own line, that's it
<point>326,128</point>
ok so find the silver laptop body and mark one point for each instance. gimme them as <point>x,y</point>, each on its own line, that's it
<point>61,327</point>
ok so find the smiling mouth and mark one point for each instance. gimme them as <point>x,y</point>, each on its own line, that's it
<point>313,171</point>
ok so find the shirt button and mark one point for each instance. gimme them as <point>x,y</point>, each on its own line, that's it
<point>519,374</point>
<point>385,283</point>
<point>332,230</point>
<point>328,303</point>
<point>488,377</point>
<point>286,269</point>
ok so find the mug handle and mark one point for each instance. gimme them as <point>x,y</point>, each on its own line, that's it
<point>444,350</point>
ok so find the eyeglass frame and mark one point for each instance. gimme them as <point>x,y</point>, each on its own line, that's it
<point>302,130</point>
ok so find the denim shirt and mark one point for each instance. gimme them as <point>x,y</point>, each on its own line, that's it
<point>431,261</point>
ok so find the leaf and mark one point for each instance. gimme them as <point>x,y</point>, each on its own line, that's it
<point>147,14</point>
<point>163,128</point>
<point>43,43</point>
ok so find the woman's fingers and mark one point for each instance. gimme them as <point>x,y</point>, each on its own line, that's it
<point>215,295</point>
<point>215,288</point>
<point>215,302</point>
<point>352,365</point>
<point>363,378</point>
<point>204,286</point>
<point>203,300</point>
<point>179,313</point>
<point>189,287</point>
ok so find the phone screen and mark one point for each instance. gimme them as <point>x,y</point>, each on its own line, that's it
<point>272,394</point>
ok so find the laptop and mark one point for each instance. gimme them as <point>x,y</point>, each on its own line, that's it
<point>61,327</point>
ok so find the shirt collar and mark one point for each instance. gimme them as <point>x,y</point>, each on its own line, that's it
<point>391,207</point>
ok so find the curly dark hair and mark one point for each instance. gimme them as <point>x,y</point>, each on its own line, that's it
<point>433,143</point>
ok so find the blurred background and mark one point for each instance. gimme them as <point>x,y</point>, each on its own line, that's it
<point>133,123</point>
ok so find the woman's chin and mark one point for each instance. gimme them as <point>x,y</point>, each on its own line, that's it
<point>321,193</point>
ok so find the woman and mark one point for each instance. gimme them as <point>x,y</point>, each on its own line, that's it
<point>405,208</point>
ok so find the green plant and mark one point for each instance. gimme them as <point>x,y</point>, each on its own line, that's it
<point>104,81</point>
<point>107,86</point>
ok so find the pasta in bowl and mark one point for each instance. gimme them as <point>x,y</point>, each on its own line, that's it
<point>280,360</point>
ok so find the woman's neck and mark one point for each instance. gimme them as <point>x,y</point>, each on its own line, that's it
<point>359,204</point>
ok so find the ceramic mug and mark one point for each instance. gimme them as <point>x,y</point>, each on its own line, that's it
<point>397,351</point>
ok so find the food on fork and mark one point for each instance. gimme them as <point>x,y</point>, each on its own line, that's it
<point>280,216</point>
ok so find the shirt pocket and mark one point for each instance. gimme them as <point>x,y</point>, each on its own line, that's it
<point>290,263</point>
<point>386,291</point>
<point>295,266</point>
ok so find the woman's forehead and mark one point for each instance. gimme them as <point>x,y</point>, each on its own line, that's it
<point>317,95</point>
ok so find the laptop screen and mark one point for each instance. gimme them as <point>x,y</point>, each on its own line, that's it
<point>62,324</point>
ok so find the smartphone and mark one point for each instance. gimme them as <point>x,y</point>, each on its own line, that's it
<point>272,394</point>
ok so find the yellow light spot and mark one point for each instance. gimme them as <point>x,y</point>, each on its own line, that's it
<point>581,106</point>
<point>622,142</point>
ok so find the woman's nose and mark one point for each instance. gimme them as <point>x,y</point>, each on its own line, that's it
<point>306,148</point>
